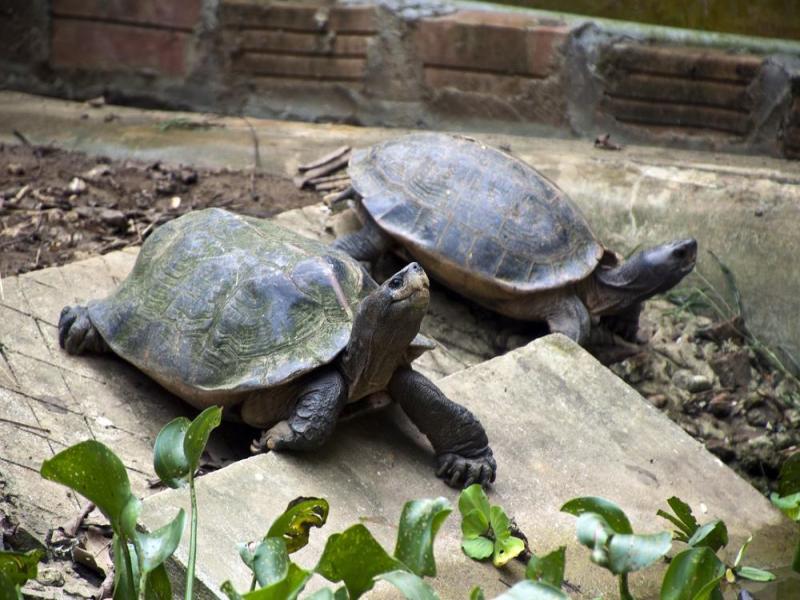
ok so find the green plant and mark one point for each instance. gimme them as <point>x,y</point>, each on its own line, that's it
<point>176,456</point>
<point>486,528</point>
<point>94,471</point>
<point>15,569</point>
<point>787,498</point>
<point>604,528</point>
<point>353,557</point>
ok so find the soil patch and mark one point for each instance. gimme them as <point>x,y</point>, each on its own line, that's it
<point>57,206</point>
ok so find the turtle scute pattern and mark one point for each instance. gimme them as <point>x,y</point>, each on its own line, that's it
<point>483,210</point>
<point>226,302</point>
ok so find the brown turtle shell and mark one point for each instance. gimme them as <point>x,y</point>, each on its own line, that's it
<point>481,211</point>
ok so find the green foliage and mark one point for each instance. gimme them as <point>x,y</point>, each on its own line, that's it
<point>611,513</point>
<point>713,534</point>
<point>548,568</point>
<point>180,445</point>
<point>15,569</point>
<point>693,574</point>
<point>787,499</point>
<point>533,590</point>
<point>294,525</point>
<point>419,523</point>
<point>486,529</point>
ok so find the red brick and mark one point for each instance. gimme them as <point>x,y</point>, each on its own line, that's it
<point>485,41</point>
<point>181,14</point>
<point>301,67</point>
<point>109,47</point>
<point>690,91</point>
<point>482,83</point>
<point>677,115</point>
<point>248,14</point>
<point>684,62</point>
<point>302,43</point>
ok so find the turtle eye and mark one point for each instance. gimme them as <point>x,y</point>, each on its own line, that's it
<point>396,283</point>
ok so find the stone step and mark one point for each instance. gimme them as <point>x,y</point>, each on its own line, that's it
<point>561,426</point>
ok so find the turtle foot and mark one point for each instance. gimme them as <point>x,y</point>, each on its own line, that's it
<point>76,334</point>
<point>276,437</point>
<point>462,471</point>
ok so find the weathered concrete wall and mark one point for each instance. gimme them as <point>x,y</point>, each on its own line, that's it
<point>402,63</point>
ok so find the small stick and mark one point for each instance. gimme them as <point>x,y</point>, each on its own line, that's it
<point>329,178</point>
<point>325,169</point>
<point>324,159</point>
<point>71,528</point>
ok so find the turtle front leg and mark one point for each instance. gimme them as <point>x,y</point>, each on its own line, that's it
<point>367,244</point>
<point>624,323</point>
<point>570,316</point>
<point>76,332</point>
<point>462,449</point>
<point>313,417</point>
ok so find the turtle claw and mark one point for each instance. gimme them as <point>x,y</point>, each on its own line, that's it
<point>461,471</point>
<point>277,437</point>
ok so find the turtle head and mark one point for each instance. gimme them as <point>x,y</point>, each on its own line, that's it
<point>651,271</point>
<point>385,323</point>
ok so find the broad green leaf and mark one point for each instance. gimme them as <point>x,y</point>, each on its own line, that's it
<point>129,518</point>
<point>19,567</point>
<point>789,479</point>
<point>294,524</point>
<point>410,585</point>
<point>506,546</point>
<point>180,445</point>
<point>96,473</point>
<point>630,552</point>
<point>419,523</point>
<point>533,590</point>
<point>613,514</point>
<point>355,558</point>
<point>476,593</point>
<point>8,589</point>
<point>158,584</point>
<point>594,532</point>
<point>271,562</point>
<point>789,505</point>
<point>169,459</point>
<point>692,572</point>
<point>287,588</point>
<point>158,546</point>
<point>473,498</point>
<point>684,519</point>
<point>713,535</point>
<point>548,568</point>
<point>754,574</point>
<point>474,524</point>
<point>478,548</point>
<point>198,433</point>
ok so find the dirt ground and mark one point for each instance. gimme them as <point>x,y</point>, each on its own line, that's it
<point>57,207</point>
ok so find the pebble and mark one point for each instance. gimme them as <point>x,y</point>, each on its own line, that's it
<point>77,185</point>
<point>691,382</point>
<point>16,169</point>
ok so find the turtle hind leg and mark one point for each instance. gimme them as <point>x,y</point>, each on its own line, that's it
<point>624,323</point>
<point>313,417</point>
<point>367,244</point>
<point>77,334</point>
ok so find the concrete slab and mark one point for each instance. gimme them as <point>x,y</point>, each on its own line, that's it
<point>561,426</point>
<point>744,208</point>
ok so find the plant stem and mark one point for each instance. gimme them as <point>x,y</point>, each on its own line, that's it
<point>126,555</point>
<point>253,583</point>
<point>624,592</point>
<point>192,542</point>
<point>796,561</point>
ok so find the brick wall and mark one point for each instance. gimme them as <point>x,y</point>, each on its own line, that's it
<point>150,36</point>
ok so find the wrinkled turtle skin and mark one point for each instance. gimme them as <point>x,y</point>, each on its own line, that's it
<point>497,231</point>
<point>280,330</point>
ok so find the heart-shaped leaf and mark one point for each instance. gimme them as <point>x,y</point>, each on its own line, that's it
<point>473,498</point>
<point>355,558</point>
<point>410,585</point>
<point>611,513</point>
<point>713,535</point>
<point>287,588</point>
<point>419,523</point>
<point>506,546</point>
<point>630,552</point>
<point>96,473</point>
<point>270,562</point>
<point>180,445</point>
<point>693,574</point>
<point>474,524</point>
<point>548,568</point>
<point>478,547</point>
<point>294,524</point>
<point>158,546</point>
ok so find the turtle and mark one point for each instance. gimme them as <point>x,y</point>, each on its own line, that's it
<point>495,230</point>
<point>281,331</point>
